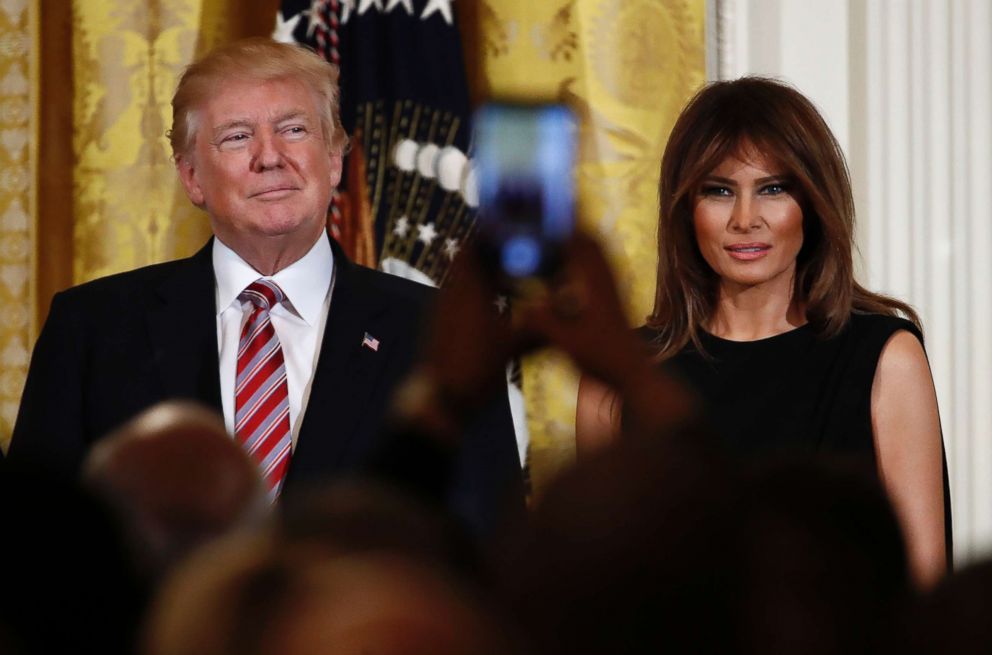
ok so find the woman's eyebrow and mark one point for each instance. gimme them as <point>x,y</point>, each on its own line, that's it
<point>721,180</point>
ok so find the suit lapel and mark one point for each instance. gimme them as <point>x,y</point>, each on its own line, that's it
<point>182,325</point>
<point>346,374</point>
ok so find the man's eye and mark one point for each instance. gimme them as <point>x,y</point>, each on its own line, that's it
<point>233,139</point>
<point>295,130</point>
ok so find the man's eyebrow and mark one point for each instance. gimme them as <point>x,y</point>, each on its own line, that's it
<point>231,124</point>
<point>291,114</point>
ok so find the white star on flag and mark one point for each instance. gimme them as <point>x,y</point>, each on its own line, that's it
<point>402,226</point>
<point>451,248</point>
<point>407,4</point>
<point>443,6</point>
<point>314,19</point>
<point>501,304</point>
<point>285,28</point>
<point>365,5</point>
<point>426,233</point>
<point>347,6</point>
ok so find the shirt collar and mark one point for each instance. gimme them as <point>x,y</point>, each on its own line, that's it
<point>305,282</point>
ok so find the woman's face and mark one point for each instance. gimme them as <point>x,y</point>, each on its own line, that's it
<point>749,224</point>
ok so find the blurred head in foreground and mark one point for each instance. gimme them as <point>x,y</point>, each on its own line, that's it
<point>176,479</point>
<point>254,597</point>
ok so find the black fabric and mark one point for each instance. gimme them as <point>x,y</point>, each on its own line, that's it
<point>795,395</point>
<point>793,392</point>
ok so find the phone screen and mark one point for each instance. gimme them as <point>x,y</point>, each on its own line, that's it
<point>524,157</point>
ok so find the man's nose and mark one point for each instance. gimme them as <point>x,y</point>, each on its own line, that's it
<point>267,152</point>
<point>745,215</point>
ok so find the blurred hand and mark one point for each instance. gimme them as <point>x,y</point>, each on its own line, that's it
<point>578,311</point>
<point>581,313</point>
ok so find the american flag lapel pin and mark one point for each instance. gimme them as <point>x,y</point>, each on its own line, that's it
<point>370,342</point>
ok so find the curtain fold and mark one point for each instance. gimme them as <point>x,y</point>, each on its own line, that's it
<point>128,207</point>
<point>18,157</point>
<point>627,66</point>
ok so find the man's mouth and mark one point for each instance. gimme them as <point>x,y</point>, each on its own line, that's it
<point>273,193</point>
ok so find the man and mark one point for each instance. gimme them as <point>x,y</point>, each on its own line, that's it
<point>268,323</point>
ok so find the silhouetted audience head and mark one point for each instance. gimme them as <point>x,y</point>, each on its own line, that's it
<point>824,568</point>
<point>632,550</point>
<point>355,516</point>
<point>953,619</point>
<point>67,585</point>
<point>260,597</point>
<point>176,479</point>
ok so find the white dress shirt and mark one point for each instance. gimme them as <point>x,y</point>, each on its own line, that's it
<point>298,322</point>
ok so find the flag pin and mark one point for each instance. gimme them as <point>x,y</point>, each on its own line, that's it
<point>370,342</point>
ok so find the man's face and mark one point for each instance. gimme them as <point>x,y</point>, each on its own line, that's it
<point>260,167</point>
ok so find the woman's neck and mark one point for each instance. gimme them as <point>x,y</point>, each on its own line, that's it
<point>749,314</point>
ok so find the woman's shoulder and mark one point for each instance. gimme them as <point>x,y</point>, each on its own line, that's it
<point>880,327</point>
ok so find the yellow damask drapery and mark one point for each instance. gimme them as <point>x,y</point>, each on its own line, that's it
<point>18,159</point>
<point>128,207</point>
<point>627,66</point>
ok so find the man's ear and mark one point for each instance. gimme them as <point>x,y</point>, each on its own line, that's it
<point>190,181</point>
<point>336,163</point>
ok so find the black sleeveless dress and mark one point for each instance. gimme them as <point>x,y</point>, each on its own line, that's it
<point>794,394</point>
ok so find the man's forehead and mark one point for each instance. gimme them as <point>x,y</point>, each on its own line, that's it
<point>248,101</point>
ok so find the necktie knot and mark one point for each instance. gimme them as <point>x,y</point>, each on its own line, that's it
<point>262,293</point>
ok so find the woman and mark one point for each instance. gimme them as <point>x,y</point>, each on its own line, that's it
<point>757,307</point>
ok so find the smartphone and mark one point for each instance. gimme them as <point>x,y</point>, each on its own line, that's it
<point>524,166</point>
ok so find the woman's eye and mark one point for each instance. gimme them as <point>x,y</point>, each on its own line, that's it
<point>717,191</point>
<point>773,189</point>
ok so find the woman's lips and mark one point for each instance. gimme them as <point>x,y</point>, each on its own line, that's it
<point>748,251</point>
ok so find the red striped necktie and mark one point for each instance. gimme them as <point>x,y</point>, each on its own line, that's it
<point>261,397</point>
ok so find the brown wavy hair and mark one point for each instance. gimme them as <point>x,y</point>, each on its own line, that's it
<point>737,118</point>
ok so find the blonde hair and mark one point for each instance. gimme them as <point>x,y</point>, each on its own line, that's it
<point>256,59</point>
<point>738,118</point>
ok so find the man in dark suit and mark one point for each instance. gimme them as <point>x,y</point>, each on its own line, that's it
<point>303,378</point>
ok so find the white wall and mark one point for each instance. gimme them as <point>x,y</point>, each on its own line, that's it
<point>906,85</point>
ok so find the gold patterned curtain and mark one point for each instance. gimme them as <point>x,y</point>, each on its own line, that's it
<point>86,184</point>
<point>628,66</point>
<point>18,159</point>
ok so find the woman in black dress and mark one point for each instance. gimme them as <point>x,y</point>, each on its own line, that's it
<point>757,307</point>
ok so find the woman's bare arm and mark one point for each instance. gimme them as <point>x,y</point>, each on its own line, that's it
<point>906,428</point>
<point>597,420</point>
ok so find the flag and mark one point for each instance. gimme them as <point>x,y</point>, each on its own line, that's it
<point>370,342</point>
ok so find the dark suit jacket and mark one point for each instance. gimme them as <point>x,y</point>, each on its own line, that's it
<point>118,345</point>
